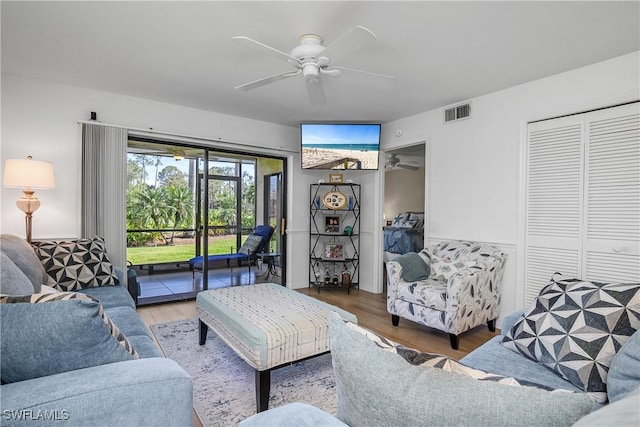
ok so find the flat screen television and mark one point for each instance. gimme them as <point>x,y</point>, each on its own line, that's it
<point>352,146</point>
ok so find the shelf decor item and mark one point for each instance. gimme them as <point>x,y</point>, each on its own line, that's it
<point>334,200</point>
<point>332,224</point>
<point>334,251</point>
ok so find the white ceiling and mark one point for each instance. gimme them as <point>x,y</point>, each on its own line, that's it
<point>182,53</point>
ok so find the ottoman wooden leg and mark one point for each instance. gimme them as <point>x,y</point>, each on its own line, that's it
<point>203,328</point>
<point>263,388</point>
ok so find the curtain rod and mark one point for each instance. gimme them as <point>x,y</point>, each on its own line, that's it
<point>218,142</point>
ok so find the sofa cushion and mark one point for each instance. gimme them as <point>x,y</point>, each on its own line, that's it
<point>111,296</point>
<point>624,374</point>
<point>378,388</point>
<point>493,357</point>
<point>575,328</point>
<point>76,264</point>
<point>12,280</point>
<point>413,267</point>
<point>46,334</point>
<point>23,256</point>
<point>292,414</point>
<point>622,413</point>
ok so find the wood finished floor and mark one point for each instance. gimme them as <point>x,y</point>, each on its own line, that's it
<point>371,310</point>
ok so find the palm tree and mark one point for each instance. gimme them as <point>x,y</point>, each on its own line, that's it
<point>180,200</point>
<point>150,207</point>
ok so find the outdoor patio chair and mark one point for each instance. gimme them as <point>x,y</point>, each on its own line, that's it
<point>257,242</point>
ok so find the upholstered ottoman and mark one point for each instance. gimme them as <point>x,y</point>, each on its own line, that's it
<point>268,326</point>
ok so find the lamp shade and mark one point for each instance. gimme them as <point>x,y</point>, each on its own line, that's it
<point>28,173</point>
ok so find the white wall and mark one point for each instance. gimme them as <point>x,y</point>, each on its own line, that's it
<point>474,176</point>
<point>403,191</point>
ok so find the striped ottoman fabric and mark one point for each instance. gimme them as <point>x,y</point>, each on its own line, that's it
<point>267,325</point>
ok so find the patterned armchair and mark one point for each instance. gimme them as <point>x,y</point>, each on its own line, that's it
<point>461,292</point>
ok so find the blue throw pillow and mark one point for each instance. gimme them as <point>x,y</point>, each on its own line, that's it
<point>47,334</point>
<point>624,374</point>
<point>413,266</point>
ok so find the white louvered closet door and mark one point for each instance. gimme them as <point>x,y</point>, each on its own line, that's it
<point>554,201</point>
<point>583,198</point>
<point>612,241</point>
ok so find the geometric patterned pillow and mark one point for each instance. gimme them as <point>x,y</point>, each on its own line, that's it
<point>67,296</point>
<point>575,328</point>
<point>76,264</point>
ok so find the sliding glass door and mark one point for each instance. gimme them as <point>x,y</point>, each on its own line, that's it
<point>184,202</point>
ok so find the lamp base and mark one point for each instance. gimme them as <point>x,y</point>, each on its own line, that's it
<point>28,204</point>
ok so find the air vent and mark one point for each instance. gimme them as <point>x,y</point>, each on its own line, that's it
<point>457,112</point>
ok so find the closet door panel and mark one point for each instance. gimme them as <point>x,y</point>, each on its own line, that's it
<point>612,188</point>
<point>554,201</point>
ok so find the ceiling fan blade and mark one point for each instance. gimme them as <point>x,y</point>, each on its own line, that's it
<point>261,47</point>
<point>265,81</point>
<point>380,81</point>
<point>354,39</point>
<point>406,166</point>
<point>316,93</point>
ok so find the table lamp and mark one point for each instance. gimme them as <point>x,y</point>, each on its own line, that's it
<point>28,174</point>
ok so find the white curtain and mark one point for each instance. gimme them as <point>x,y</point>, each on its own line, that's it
<point>104,174</point>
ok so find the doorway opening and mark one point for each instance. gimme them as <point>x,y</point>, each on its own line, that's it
<point>404,202</point>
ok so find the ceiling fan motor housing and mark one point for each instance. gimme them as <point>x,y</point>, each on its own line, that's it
<point>309,48</point>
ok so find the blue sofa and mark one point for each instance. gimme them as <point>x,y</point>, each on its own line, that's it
<point>151,390</point>
<point>377,387</point>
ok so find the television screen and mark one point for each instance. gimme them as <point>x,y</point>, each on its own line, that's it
<point>340,146</point>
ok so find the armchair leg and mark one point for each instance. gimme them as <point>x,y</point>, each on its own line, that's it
<point>455,341</point>
<point>395,320</point>
<point>491,324</point>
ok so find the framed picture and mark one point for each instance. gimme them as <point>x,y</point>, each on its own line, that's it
<point>335,178</point>
<point>332,224</point>
<point>333,251</point>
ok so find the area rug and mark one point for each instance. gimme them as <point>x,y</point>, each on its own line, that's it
<point>224,385</point>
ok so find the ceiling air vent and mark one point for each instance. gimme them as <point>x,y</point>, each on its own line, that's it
<point>457,112</point>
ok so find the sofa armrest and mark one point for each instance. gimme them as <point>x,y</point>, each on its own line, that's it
<point>394,275</point>
<point>473,295</point>
<point>153,391</point>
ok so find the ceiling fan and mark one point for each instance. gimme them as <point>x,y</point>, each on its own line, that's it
<point>313,61</point>
<point>394,162</point>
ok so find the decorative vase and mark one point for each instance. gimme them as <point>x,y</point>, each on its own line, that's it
<point>317,202</point>
<point>350,203</point>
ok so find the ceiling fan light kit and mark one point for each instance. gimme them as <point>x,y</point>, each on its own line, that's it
<point>307,60</point>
